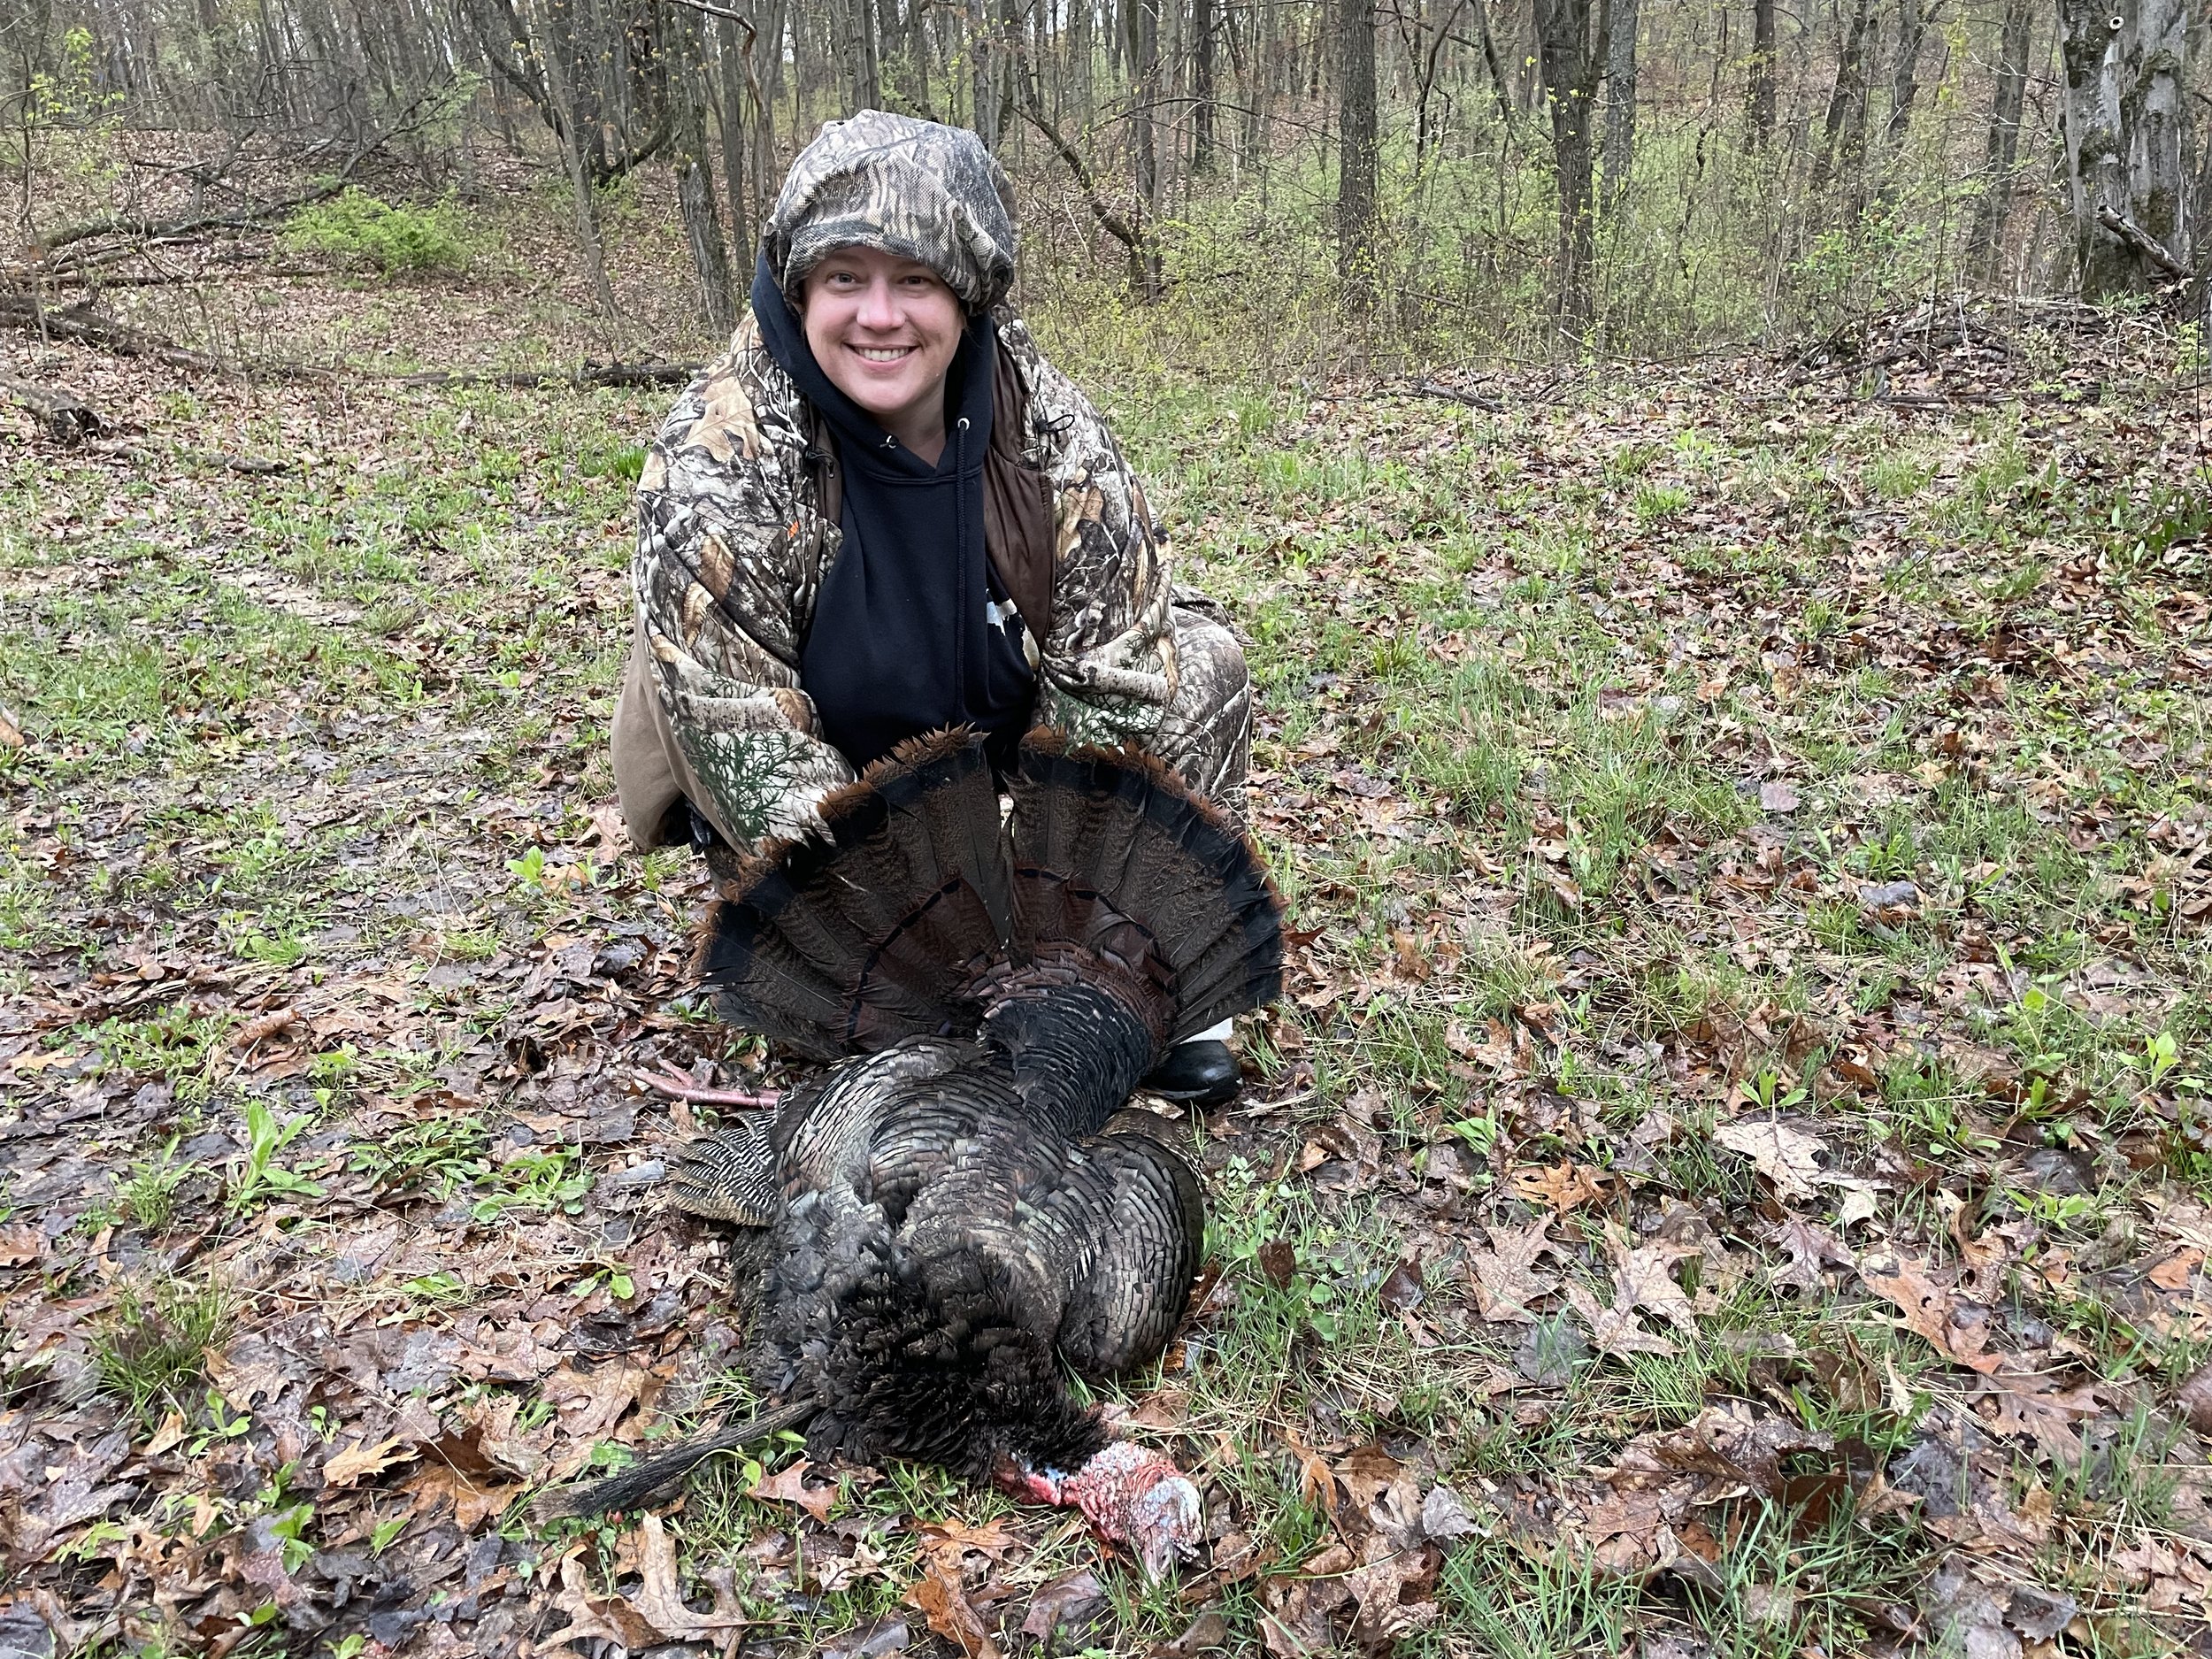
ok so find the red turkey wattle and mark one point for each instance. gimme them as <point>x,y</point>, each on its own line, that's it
<point>1131,1495</point>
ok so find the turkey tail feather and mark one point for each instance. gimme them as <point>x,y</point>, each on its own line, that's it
<point>1122,827</point>
<point>853,938</point>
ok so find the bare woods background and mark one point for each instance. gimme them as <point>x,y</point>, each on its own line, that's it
<point>1507,176</point>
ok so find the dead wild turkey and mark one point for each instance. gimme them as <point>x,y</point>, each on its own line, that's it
<point>956,1208</point>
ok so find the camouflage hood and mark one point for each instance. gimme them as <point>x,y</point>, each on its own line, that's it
<point>914,188</point>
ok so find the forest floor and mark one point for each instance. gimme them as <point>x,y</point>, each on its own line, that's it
<point>1731,1172</point>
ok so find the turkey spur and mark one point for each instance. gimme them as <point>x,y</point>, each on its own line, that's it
<point>959,1207</point>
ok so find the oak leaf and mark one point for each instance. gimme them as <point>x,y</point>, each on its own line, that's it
<point>1614,1330</point>
<point>1643,1277</point>
<point>1810,1248</point>
<point>1958,1330</point>
<point>659,1598</point>
<point>944,1602</point>
<point>1788,1157</point>
<point>1506,1281</point>
<point>788,1486</point>
<point>362,1458</point>
<point>607,1619</point>
<point>1565,1186</point>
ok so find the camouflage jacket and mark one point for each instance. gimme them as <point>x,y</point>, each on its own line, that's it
<point>733,545</point>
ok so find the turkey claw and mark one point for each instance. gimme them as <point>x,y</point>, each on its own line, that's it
<point>673,1084</point>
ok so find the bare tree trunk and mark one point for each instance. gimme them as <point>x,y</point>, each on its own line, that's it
<point>1202,27</point>
<point>1904,90</point>
<point>1620,102</point>
<point>1987,239</point>
<point>1848,89</point>
<point>573,151</point>
<point>1081,46</point>
<point>1759,102</point>
<point>983,78</point>
<point>694,196</point>
<point>736,139</point>
<point>862,63</point>
<point>1144,59</point>
<point>1570,69</point>
<point>1499,84</point>
<point>2122,124</point>
<point>1358,152</point>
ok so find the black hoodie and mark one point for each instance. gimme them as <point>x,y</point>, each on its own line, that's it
<point>912,630</point>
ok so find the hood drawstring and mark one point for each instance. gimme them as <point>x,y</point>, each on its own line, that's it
<point>960,529</point>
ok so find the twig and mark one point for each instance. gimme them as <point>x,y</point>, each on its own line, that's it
<point>718,11</point>
<point>93,329</point>
<point>1109,221</point>
<point>1430,389</point>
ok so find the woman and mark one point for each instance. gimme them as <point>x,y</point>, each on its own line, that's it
<point>882,512</point>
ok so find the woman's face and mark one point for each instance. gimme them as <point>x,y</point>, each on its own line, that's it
<point>884,330</point>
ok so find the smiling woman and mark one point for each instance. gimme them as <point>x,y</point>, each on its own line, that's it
<point>884,330</point>
<point>883,512</point>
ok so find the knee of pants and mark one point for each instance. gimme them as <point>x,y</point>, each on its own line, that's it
<point>1211,675</point>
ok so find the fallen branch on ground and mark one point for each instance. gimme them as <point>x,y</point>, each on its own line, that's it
<point>88,327</point>
<point>2144,243</point>
<point>67,418</point>
<point>588,375</point>
<point>110,335</point>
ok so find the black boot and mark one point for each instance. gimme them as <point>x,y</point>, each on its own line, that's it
<point>1200,1072</point>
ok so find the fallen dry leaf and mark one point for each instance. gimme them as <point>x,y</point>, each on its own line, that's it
<point>943,1600</point>
<point>1506,1281</point>
<point>2174,1272</point>
<point>2194,1397</point>
<point>1643,1277</point>
<point>1068,1600</point>
<point>264,1025</point>
<point>474,1501</point>
<point>1810,1248</point>
<point>1958,1331</point>
<point>1614,1330</point>
<point>788,1486</point>
<point>1564,1186</point>
<point>1298,1621</point>
<point>358,1460</point>
<point>595,1617</point>
<point>1366,1471</point>
<point>1788,1157</point>
<point>950,1540</point>
<point>1395,1593</point>
<point>587,1404</point>
<point>1208,1632</point>
<point>659,1598</point>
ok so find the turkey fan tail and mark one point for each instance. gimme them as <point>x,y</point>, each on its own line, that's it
<point>849,940</point>
<point>1116,828</point>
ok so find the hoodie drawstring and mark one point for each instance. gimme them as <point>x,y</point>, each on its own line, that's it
<point>960,542</point>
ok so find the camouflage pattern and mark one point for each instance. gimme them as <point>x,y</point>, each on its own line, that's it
<point>914,188</point>
<point>732,543</point>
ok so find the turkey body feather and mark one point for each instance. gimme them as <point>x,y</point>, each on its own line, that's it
<point>955,1216</point>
